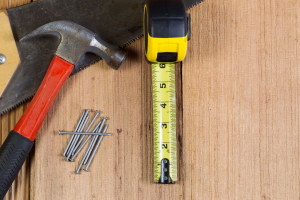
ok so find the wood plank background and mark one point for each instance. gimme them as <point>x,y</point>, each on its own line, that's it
<point>238,115</point>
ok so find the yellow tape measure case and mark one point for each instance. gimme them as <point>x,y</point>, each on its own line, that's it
<point>166,30</point>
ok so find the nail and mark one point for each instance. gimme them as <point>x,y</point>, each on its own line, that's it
<point>69,154</point>
<point>79,130</point>
<point>94,140</point>
<point>81,133</point>
<point>83,144</point>
<point>94,152</point>
<point>76,129</point>
<point>79,167</point>
<point>92,144</point>
<point>84,157</point>
<point>87,130</point>
<point>2,59</point>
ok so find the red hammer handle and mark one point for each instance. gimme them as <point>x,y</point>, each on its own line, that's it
<point>33,117</point>
<point>17,145</point>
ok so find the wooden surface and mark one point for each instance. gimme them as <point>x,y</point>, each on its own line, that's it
<point>238,115</point>
<point>9,49</point>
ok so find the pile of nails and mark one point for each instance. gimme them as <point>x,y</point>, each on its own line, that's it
<point>76,143</point>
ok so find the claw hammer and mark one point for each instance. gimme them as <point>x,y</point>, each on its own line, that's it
<point>75,41</point>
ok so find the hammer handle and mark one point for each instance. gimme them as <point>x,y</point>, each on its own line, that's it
<point>33,117</point>
<point>13,154</point>
<point>17,145</point>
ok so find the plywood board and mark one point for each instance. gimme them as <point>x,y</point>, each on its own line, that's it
<point>8,50</point>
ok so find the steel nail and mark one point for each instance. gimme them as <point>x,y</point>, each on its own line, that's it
<point>80,148</point>
<point>83,159</point>
<point>79,122</point>
<point>83,144</point>
<point>69,154</point>
<point>79,167</point>
<point>94,152</point>
<point>92,144</point>
<point>78,130</point>
<point>82,137</point>
<point>94,140</point>
<point>82,133</point>
<point>94,119</point>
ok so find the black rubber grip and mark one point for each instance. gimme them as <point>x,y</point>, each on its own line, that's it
<point>13,153</point>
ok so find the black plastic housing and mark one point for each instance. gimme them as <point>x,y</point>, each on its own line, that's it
<point>167,19</point>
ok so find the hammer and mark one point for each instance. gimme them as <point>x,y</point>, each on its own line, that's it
<point>75,42</point>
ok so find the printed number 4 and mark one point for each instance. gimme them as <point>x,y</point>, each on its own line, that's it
<point>163,105</point>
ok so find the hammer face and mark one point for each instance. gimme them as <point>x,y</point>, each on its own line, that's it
<point>113,55</point>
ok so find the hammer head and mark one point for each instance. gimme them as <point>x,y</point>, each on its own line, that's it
<point>76,40</point>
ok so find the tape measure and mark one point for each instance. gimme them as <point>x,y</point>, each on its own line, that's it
<point>166,31</point>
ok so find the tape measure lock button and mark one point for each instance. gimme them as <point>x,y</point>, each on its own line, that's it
<point>167,57</point>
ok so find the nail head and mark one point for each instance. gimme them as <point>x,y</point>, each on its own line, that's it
<point>2,59</point>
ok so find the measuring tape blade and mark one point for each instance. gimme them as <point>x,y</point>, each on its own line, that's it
<point>164,122</point>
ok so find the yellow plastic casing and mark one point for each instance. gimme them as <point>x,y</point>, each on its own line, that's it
<point>166,45</point>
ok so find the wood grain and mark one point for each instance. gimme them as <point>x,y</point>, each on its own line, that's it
<point>238,115</point>
<point>240,101</point>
